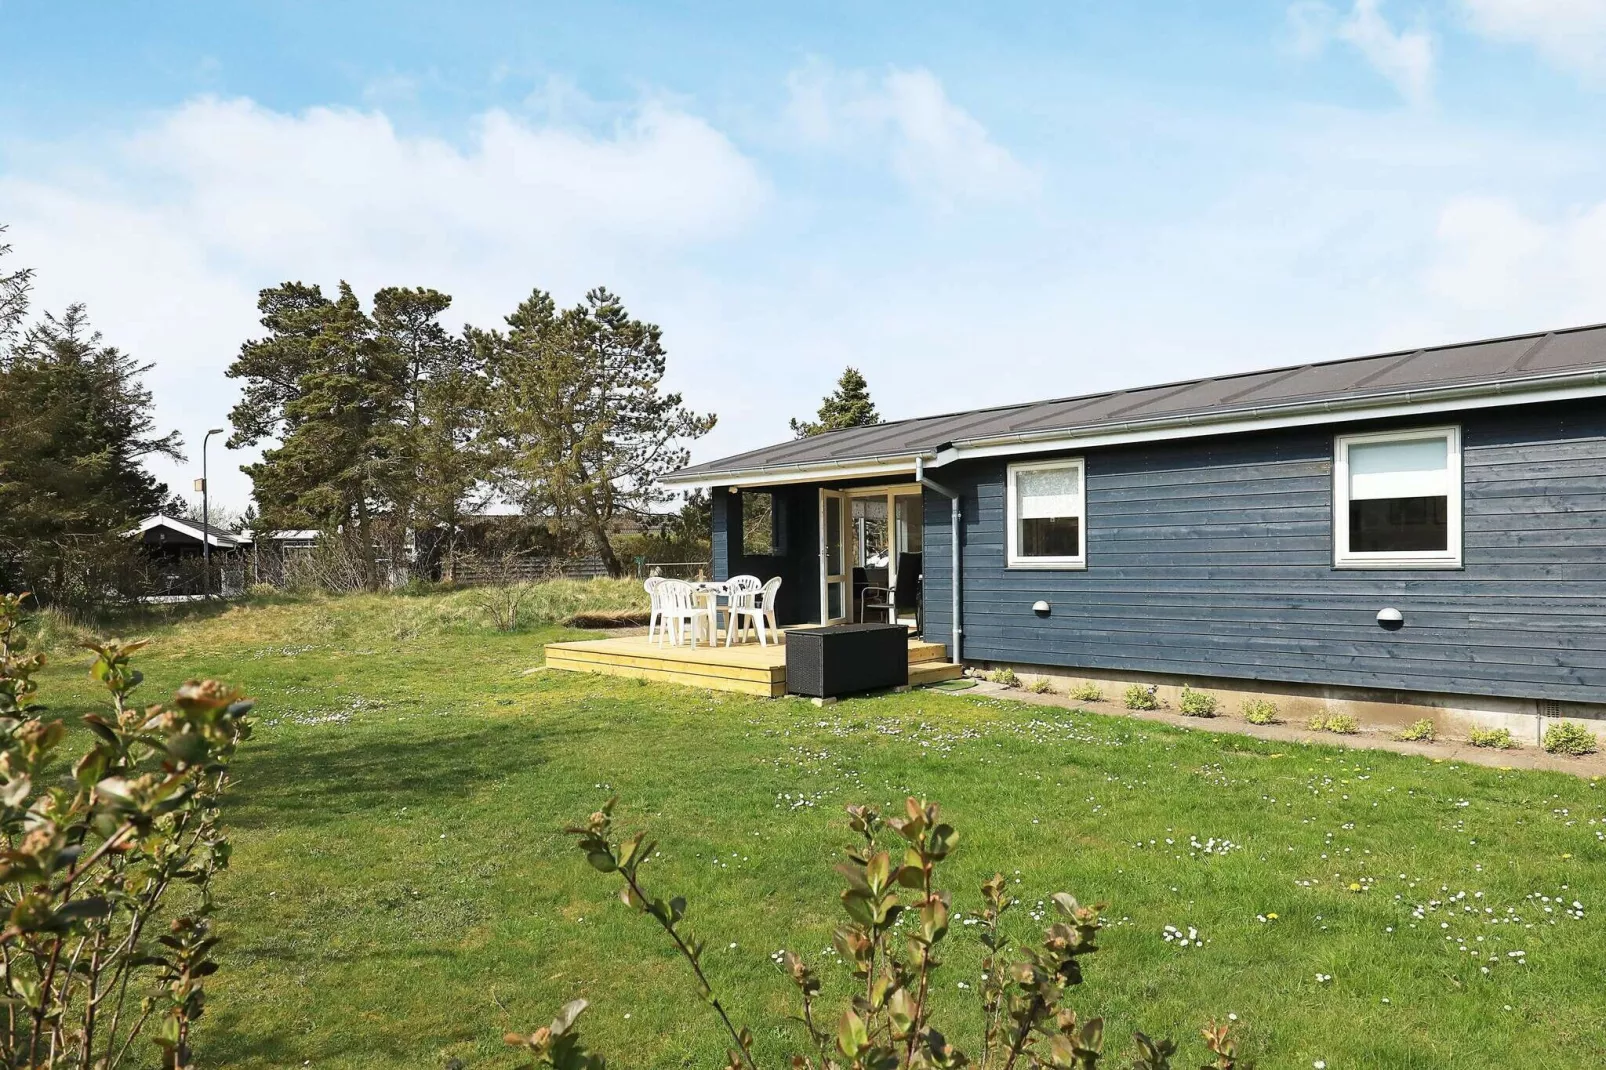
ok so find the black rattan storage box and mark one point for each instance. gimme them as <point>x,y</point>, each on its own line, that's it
<point>843,658</point>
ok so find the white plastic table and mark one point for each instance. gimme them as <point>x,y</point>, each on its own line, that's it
<point>711,591</point>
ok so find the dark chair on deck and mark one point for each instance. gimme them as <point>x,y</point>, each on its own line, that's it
<point>871,578</point>
<point>899,600</point>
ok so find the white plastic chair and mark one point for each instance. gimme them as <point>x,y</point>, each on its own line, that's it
<point>682,605</point>
<point>757,610</point>
<point>738,590</point>
<point>654,622</point>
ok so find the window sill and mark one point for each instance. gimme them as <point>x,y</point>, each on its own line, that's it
<point>1051,565</point>
<point>1398,564</point>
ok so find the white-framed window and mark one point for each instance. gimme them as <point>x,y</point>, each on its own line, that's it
<point>1397,499</point>
<point>1047,513</point>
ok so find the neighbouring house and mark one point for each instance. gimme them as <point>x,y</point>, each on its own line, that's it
<point>1416,530</point>
<point>176,549</point>
<point>273,554</point>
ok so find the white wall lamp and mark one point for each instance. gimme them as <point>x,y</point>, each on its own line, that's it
<point>1041,608</point>
<point>1390,619</point>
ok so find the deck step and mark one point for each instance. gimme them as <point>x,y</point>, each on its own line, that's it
<point>921,652</point>
<point>934,672</point>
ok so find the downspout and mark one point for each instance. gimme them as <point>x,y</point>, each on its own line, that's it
<point>953,572</point>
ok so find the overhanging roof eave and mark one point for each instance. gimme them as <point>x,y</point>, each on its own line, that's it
<point>799,472</point>
<point>1188,424</point>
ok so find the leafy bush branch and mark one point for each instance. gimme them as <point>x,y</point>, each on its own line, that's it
<point>106,868</point>
<point>888,1024</point>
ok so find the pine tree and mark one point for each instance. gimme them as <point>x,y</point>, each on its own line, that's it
<point>693,524</point>
<point>330,390</point>
<point>576,399</point>
<point>443,457</point>
<point>76,432</point>
<point>849,405</point>
<point>14,287</point>
<point>380,418</point>
<point>272,367</point>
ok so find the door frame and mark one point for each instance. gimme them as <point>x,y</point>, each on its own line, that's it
<point>891,492</point>
<point>843,578</point>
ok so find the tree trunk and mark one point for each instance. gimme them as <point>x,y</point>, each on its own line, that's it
<point>365,540</point>
<point>598,531</point>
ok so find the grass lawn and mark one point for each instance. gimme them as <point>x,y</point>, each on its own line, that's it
<point>401,893</point>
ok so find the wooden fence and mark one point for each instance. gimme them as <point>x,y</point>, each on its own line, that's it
<point>471,570</point>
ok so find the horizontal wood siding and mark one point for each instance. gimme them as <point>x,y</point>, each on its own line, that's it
<point>1213,557</point>
<point>936,581</point>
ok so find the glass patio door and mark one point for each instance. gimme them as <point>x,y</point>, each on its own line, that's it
<point>908,529</point>
<point>836,595</point>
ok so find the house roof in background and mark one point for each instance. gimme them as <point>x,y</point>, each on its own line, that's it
<point>1509,370</point>
<point>193,528</point>
<point>287,535</point>
<point>221,536</point>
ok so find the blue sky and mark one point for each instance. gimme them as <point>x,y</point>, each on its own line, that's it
<point>972,206</point>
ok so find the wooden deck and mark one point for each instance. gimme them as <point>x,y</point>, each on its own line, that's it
<point>745,667</point>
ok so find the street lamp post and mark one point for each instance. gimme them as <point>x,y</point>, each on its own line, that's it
<point>206,519</point>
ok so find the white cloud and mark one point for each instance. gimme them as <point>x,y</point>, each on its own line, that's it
<point>1497,262</point>
<point>268,184</point>
<point>1323,232</point>
<point>168,234</point>
<point>933,145</point>
<point>1570,32</point>
<point>1403,57</point>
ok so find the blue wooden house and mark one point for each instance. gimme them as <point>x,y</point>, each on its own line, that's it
<point>1390,533</point>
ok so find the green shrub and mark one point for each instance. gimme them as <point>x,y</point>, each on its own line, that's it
<point>1006,677</point>
<point>109,862</point>
<point>1569,737</point>
<point>1498,738</point>
<point>890,1021</point>
<point>1417,732</point>
<point>1197,703</point>
<point>1041,686</point>
<point>1260,711</point>
<point>1342,723</point>
<point>1139,697</point>
<point>1087,691</point>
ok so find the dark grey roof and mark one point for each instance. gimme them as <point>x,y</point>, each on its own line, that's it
<point>213,529</point>
<point>1463,369</point>
<point>191,526</point>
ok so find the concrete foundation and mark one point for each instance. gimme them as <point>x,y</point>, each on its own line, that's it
<point>1452,715</point>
